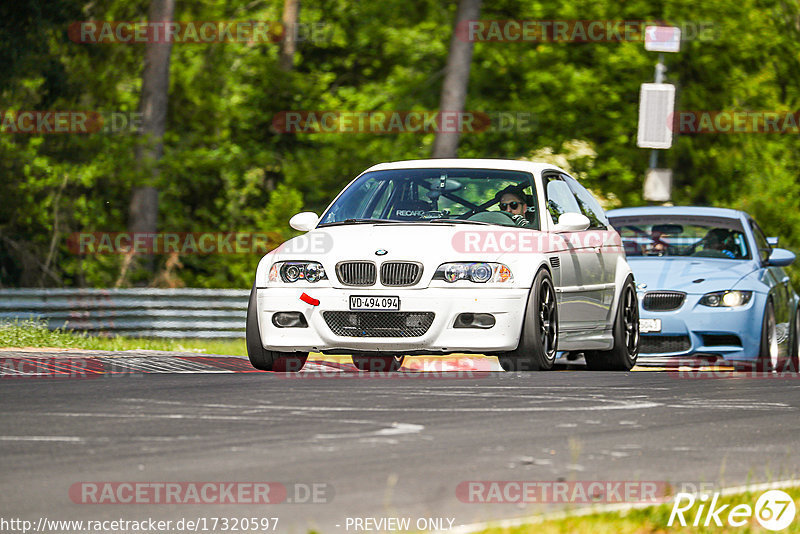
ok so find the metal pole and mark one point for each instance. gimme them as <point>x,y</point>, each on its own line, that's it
<point>660,69</point>
<point>659,78</point>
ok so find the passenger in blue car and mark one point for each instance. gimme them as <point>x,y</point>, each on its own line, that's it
<point>722,241</point>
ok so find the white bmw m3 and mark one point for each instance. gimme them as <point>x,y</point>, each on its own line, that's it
<point>507,258</point>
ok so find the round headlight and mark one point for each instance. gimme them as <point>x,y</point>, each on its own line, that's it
<point>713,300</point>
<point>455,271</point>
<point>480,272</point>
<point>292,273</point>
<point>732,298</point>
<point>314,272</point>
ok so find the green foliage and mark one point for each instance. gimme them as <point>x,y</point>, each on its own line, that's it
<point>649,519</point>
<point>35,334</point>
<point>226,169</point>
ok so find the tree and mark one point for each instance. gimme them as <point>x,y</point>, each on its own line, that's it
<point>456,80</point>
<point>291,11</point>
<point>143,215</point>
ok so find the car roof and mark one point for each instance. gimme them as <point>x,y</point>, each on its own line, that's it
<point>697,211</point>
<point>501,164</point>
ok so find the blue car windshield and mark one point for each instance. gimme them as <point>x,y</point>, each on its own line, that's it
<point>702,237</point>
<point>420,195</point>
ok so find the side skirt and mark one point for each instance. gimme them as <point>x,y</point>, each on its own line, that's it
<point>583,340</point>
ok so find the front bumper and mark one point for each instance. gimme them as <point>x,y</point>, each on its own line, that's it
<point>506,305</point>
<point>695,330</point>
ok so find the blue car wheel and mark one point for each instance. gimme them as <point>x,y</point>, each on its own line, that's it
<point>768,353</point>
<point>793,364</point>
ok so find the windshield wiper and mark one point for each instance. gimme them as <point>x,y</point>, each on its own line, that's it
<point>393,221</point>
<point>360,221</point>
<point>459,221</point>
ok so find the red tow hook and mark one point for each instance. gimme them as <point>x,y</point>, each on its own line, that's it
<point>309,300</point>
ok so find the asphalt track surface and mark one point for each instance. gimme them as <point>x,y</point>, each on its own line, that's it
<point>375,446</point>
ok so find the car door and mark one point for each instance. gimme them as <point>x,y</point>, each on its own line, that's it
<point>601,239</point>
<point>777,279</point>
<point>579,266</point>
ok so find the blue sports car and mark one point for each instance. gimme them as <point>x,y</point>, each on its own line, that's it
<point>711,285</point>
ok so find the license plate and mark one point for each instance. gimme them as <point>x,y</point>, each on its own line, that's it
<point>374,303</point>
<point>649,325</point>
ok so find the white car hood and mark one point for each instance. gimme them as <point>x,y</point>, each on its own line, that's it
<point>425,243</point>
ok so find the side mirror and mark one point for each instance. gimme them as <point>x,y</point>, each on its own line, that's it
<point>572,222</point>
<point>305,221</point>
<point>773,241</point>
<point>780,257</point>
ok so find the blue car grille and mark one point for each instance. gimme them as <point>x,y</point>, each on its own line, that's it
<point>663,300</point>
<point>664,344</point>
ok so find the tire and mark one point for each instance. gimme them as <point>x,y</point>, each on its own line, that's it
<point>538,340</point>
<point>626,335</point>
<point>793,365</point>
<point>378,364</point>
<point>768,348</point>
<point>261,358</point>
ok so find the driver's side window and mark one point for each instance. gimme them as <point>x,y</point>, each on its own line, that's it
<point>560,199</point>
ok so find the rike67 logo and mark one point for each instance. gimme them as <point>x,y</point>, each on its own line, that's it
<point>774,510</point>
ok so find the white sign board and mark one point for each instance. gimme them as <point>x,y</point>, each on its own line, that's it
<point>656,107</point>
<point>662,39</point>
<point>658,185</point>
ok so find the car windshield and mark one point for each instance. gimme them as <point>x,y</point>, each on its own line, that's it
<point>424,195</point>
<point>709,237</point>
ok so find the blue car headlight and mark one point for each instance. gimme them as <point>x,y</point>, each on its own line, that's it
<point>726,299</point>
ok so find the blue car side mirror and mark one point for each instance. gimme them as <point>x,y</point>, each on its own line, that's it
<point>780,257</point>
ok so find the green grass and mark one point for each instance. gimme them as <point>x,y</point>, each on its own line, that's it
<point>35,334</point>
<point>653,519</point>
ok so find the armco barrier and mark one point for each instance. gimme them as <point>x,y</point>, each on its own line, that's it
<point>175,313</point>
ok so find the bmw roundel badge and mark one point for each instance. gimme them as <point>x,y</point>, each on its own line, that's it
<point>381,252</point>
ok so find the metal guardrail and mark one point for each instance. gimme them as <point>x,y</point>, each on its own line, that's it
<point>171,313</point>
